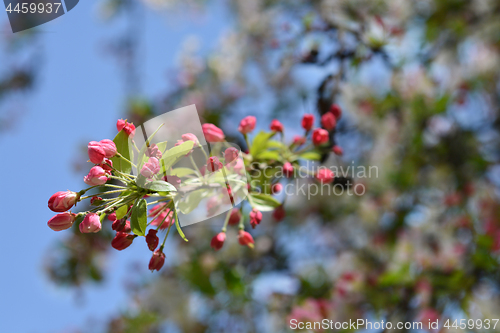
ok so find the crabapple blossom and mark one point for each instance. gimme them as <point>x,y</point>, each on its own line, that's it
<point>157,260</point>
<point>244,238</point>
<point>63,200</point>
<point>255,217</point>
<point>337,150</point>
<point>279,213</point>
<point>96,152</point>
<point>319,136</point>
<point>122,240</point>
<point>307,121</point>
<point>218,241</point>
<point>336,111</point>
<point>61,221</point>
<point>276,126</point>
<point>247,124</point>
<point>152,239</point>
<point>151,167</point>
<point>276,188</point>
<point>109,148</point>
<point>328,121</point>
<point>235,216</point>
<point>288,169</point>
<point>127,127</point>
<point>213,164</point>
<point>325,176</point>
<point>96,176</point>
<point>90,224</point>
<point>212,133</point>
<point>153,151</point>
<point>230,154</point>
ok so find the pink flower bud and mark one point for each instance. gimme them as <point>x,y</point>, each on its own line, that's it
<point>61,221</point>
<point>190,137</point>
<point>213,164</point>
<point>63,200</point>
<point>230,154</point>
<point>307,121</point>
<point>157,260</point>
<point>336,110</point>
<point>235,217</point>
<point>128,128</point>
<point>150,168</point>
<point>279,213</point>
<point>212,205</point>
<point>319,136</point>
<point>337,150</point>
<point>152,240</point>
<point>112,217</point>
<point>325,176</point>
<point>244,238</point>
<point>121,225</point>
<point>96,201</point>
<point>122,241</point>
<point>276,188</point>
<point>165,218</point>
<point>213,133</point>
<point>218,241</point>
<point>328,121</point>
<point>174,180</point>
<point>247,124</point>
<point>96,152</point>
<point>109,148</point>
<point>288,169</point>
<point>96,176</point>
<point>153,151</point>
<point>276,126</point>
<point>299,140</point>
<point>107,165</point>
<point>90,224</point>
<point>255,217</point>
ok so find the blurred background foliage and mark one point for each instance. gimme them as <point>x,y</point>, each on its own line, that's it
<point>418,82</point>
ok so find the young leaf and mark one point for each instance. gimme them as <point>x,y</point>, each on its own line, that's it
<point>122,147</point>
<point>139,218</point>
<point>191,201</point>
<point>160,185</point>
<point>263,202</point>
<point>311,155</point>
<point>174,154</point>
<point>182,172</point>
<point>260,142</point>
<point>121,212</point>
<point>178,226</point>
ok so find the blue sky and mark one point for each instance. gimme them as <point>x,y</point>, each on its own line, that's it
<point>74,102</point>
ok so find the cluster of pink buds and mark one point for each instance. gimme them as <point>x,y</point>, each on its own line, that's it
<point>145,204</point>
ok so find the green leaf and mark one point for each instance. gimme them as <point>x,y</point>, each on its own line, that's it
<point>139,218</point>
<point>162,146</point>
<point>160,185</point>
<point>191,201</point>
<point>178,226</point>
<point>182,172</point>
<point>263,202</point>
<point>122,147</point>
<point>270,155</point>
<point>174,154</point>
<point>260,142</point>
<point>121,212</point>
<point>311,155</point>
<point>276,144</point>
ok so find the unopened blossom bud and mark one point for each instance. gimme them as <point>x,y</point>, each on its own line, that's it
<point>121,225</point>
<point>112,217</point>
<point>152,240</point>
<point>279,213</point>
<point>96,152</point>
<point>107,165</point>
<point>276,188</point>
<point>328,121</point>
<point>190,137</point>
<point>153,151</point>
<point>96,176</point>
<point>336,111</point>
<point>320,136</point>
<point>288,169</point>
<point>109,148</point>
<point>151,167</point>
<point>299,140</point>
<point>122,241</point>
<point>213,164</point>
<point>307,121</point>
<point>255,217</point>
<point>235,217</point>
<point>337,150</point>
<point>61,221</point>
<point>63,200</point>
<point>127,127</point>
<point>157,260</point>
<point>247,124</point>
<point>90,223</point>
<point>325,176</point>
<point>212,133</point>
<point>276,126</point>
<point>244,238</point>
<point>230,154</point>
<point>174,180</point>
<point>213,205</point>
<point>96,201</point>
<point>218,241</point>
